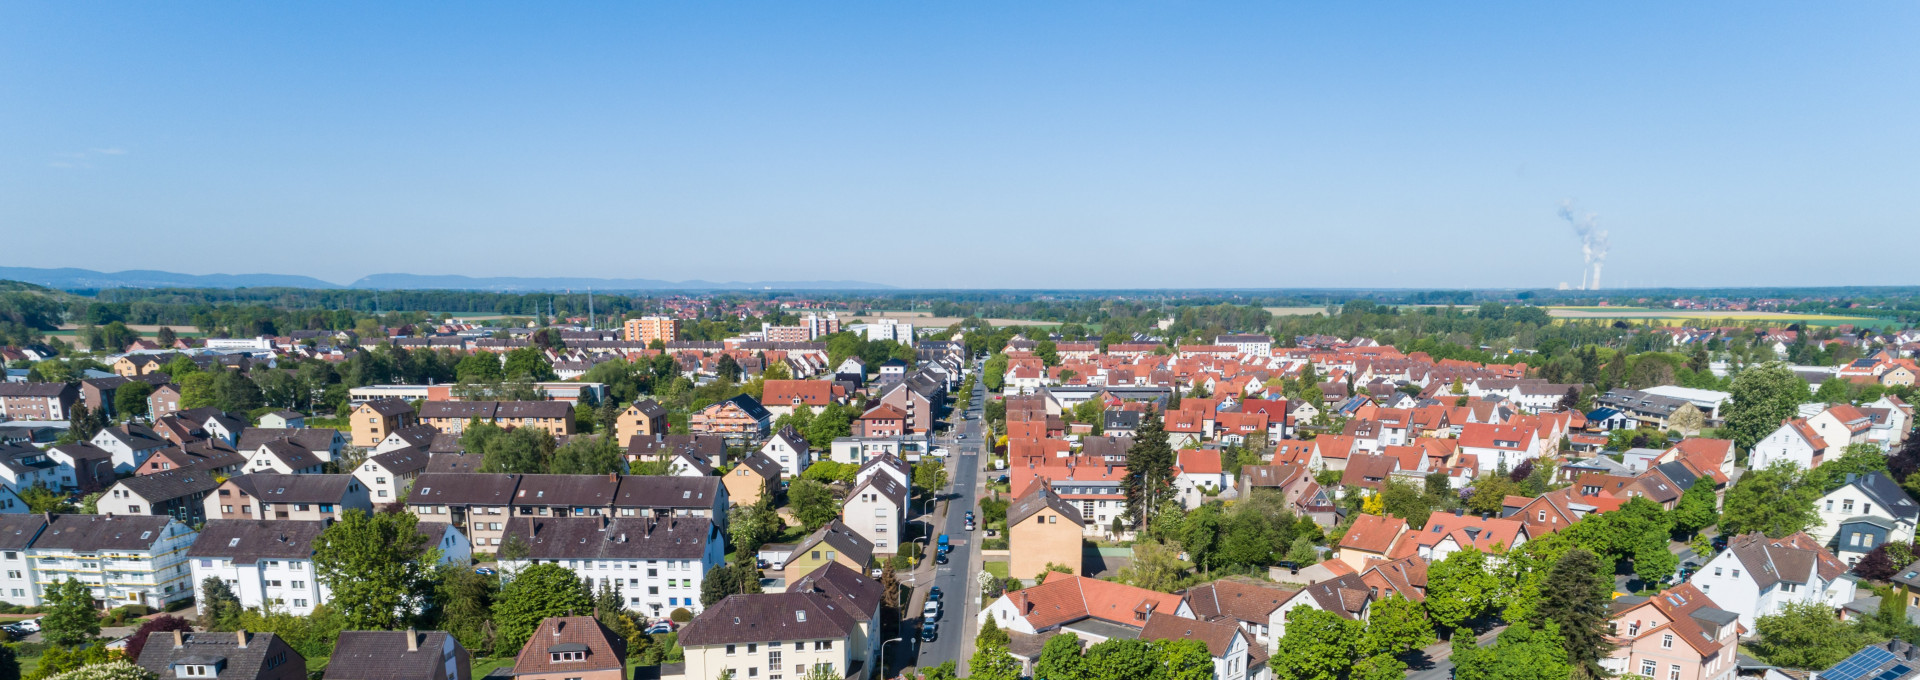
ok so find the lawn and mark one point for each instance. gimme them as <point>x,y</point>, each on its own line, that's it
<point>998,569</point>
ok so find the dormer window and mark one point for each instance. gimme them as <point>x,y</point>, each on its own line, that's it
<point>568,656</point>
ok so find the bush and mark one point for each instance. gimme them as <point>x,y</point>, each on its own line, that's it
<point>994,544</point>
<point>680,615</point>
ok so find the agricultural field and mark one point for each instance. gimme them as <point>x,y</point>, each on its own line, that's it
<point>928,320</point>
<point>1676,317</point>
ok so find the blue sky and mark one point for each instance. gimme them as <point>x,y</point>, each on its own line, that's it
<point>995,144</point>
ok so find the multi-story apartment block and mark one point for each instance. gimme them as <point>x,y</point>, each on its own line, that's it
<point>481,504</point>
<point>264,563</point>
<point>556,417</point>
<point>388,474</point>
<point>658,564</point>
<point>374,420</point>
<point>37,401</point>
<point>647,329</point>
<point>125,560</point>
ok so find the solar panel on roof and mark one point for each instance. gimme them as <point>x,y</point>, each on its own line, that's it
<point>1859,665</point>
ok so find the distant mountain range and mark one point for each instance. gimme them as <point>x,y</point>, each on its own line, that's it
<point>69,278</point>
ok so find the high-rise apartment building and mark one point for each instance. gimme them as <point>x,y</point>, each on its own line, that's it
<point>649,328</point>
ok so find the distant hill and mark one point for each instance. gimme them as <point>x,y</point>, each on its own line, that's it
<point>79,279</point>
<point>69,278</point>
<point>514,283</point>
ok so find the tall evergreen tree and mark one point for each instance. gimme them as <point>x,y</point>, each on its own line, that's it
<point>1149,467</point>
<point>1576,599</point>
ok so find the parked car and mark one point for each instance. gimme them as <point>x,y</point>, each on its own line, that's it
<point>934,594</point>
<point>659,628</point>
<point>929,632</point>
<point>940,558</point>
<point>29,625</point>
<point>931,612</point>
<point>484,571</point>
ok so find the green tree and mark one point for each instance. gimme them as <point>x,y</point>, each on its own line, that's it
<point>930,476</point>
<point>1576,600</point>
<point>1806,635</point>
<point>536,593</point>
<point>376,567</point>
<point>480,367</point>
<point>750,526</point>
<point>1763,396</point>
<point>1858,459</point>
<point>1522,652</point>
<point>130,401</point>
<point>198,390</point>
<point>1060,659</point>
<point>1407,502</point>
<point>40,499</point>
<point>1460,589</point>
<point>595,455</point>
<point>1696,509</point>
<point>219,607</point>
<point>523,450</point>
<point>813,504</point>
<point>71,617</point>
<point>1149,467</point>
<point>1121,658</point>
<point>1777,501</point>
<point>991,660</point>
<point>234,392</point>
<point>466,601</point>
<point>1379,667</point>
<point>1396,626</point>
<point>1182,660</point>
<point>1319,645</point>
<point>527,363</point>
<point>1154,567</point>
<point>1490,494</point>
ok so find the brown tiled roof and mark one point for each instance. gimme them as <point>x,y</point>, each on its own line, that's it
<point>455,462</point>
<point>446,488</point>
<point>272,487</point>
<point>605,650</point>
<point>1373,533</point>
<point>1037,497</point>
<point>1237,600</point>
<point>95,533</point>
<point>1166,626</point>
<point>570,490</point>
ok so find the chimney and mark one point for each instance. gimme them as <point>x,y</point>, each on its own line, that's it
<point>613,477</point>
<point>240,638</point>
<point>413,641</point>
<point>179,640</point>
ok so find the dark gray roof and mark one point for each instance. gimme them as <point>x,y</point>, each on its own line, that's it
<point>857,593</point>
<point>654,491</point>
<point>18,531</point>
<point>761,464</point>
<point>389,406</point>
<point>455,462</point>
<point>404,460</point>
<point>1888,494</point>
<point>451,488</point>
<point>383,655</point>
<point>768,617</point>
<point>272,487</point>
<point>309,438</point>
<point>1040,497</point>
<point>841,538</point>
<point>566,490</point>
<point>242,663</point>
<point>171,484</point>
<point>633,538</point>
<point>93,533</point>
<point>246,541</point>
<point>750,406</point>
<point>416,434</point>
<point>295,456</point>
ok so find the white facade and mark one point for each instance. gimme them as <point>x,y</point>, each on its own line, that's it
<point>887,329</point>
<point>16,579</point>
<point>126,458</point>
<point>877,511</point>
<point>1731,584</point>
<point>1784,445</point>
<point>282,585</point>
<point>793,460</point>
<point>154,576</point>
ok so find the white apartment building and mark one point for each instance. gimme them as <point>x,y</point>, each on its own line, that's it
<point>657,562</point>
<point>125,560</point>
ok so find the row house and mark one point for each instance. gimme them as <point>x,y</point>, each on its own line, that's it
<point>269,563</point>
<point>554,417</point>
<point>1446,534</point>
<point>179,493</point>
<point>756,476</point>
<point>99,393</point>
<point>386,475</point>
<point>1092,486</point>
<point>1841,425</point>
<point>283,457</point>
<point>37,400</point>
<point>835,543</point>
<point>482,504</point>
<point>657,563</point>
<point>277,496</point>
<point>773,635</point>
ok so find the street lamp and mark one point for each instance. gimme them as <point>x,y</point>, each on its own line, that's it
<point>883,653</point>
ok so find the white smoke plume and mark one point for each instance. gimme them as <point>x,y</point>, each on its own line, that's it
<point>1593,243</point>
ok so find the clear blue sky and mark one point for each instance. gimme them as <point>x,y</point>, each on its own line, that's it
<point>1053,144</point>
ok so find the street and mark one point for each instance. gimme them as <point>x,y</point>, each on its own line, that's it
<point>956,578</point>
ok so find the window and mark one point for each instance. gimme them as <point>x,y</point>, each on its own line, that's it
<point>1846,506</point>
<point>729,650</point>
<point>1736,573</point>
<point>1648,668</point>
<point>1666,641</point>
<point>568,656</point>
<point>1829,509</point>
<point>822,645</point>
<point>1673,671</point>
<point>1716,571</point>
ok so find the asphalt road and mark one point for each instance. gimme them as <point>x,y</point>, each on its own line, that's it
<point>961,593</point>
